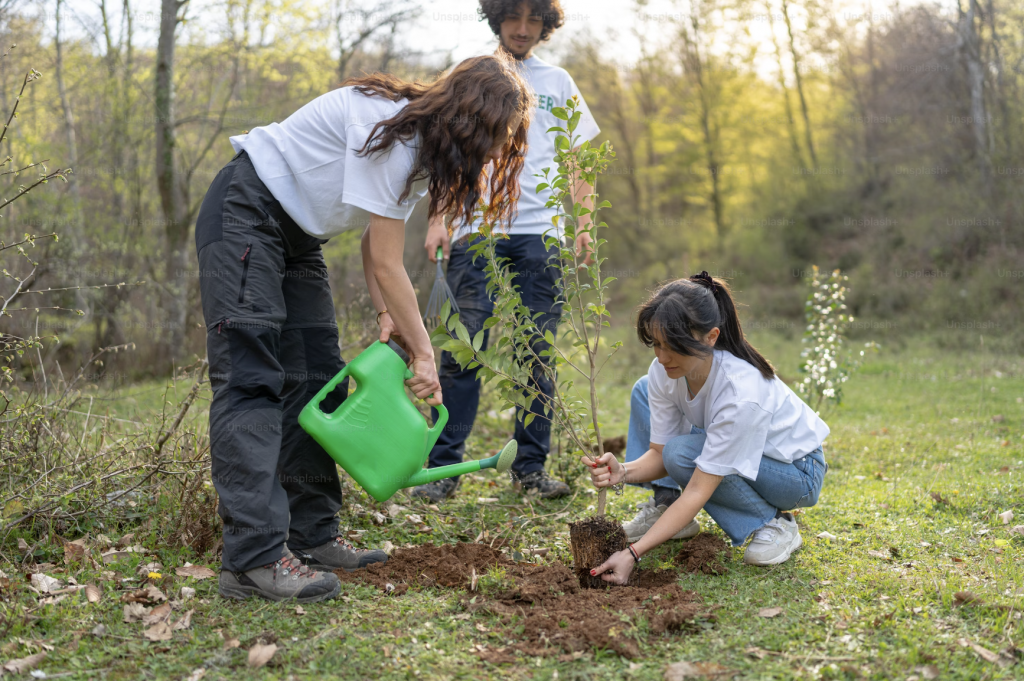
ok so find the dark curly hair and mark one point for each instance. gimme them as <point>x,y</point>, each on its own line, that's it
<point>459,118</point>
<point>495,12</point>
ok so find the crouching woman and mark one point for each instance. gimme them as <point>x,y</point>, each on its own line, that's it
<point>722,425</point>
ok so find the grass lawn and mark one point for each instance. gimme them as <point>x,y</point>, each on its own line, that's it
<point>922,577</point>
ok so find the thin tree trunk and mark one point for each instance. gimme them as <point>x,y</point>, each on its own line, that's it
<point>970,50</point>
<point>799,83</point>
<point>76,235</point>
<point>173,199</point>
<point>695,67</point>
<point>790,120</point>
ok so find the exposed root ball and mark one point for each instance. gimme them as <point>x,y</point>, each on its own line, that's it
<point>591,542</point>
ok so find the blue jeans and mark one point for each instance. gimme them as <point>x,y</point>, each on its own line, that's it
<point>536,277</point>
<point>738,505</point>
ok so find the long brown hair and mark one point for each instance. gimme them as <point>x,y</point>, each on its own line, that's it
<point>459,118</point>
<point>686,308</point>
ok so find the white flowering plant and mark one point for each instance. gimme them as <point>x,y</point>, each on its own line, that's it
<point>826,366</point>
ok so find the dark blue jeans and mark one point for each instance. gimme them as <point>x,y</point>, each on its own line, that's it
<point>536,276</point>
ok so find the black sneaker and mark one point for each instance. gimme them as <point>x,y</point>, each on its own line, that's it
<point>338,553</point>
<point>542,485</point>
<point>436,491</point>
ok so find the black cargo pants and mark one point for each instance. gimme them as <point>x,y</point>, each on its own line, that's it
<point>272,343</point>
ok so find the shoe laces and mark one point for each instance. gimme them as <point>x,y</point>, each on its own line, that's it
<point>289,564</point>
<point>646,509</point>
<point>769,532</point>
<point>340,541</point>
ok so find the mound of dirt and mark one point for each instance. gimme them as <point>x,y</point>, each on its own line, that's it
<point>557,616</point>
<point>702,554</point>
<point>447,565</point>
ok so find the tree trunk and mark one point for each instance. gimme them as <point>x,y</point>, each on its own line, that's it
<point>173,199</point>
<point>799,84</point>
<point>969,43</point>
<point>790,120</point>
<point>695,69</point>
<point>76,234</point>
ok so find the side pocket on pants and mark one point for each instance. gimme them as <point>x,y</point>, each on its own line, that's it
<point>245,271</point>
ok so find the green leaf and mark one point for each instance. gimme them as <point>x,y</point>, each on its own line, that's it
<point>478,340</point>
<point>559,113</point>
<point>574,121</point>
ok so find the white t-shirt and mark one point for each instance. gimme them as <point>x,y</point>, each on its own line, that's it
<point>745,416</point>
<point>551,85</point>
<point>309,163</point>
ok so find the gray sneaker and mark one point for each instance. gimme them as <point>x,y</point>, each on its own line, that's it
<point>436,491</point>
<point>647,516</point>
<point>542,485</point>
<point>338,553</point>
<point>774,543</point>
<point>284,579</point>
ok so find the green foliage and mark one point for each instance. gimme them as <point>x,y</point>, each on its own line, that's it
<point>826,365</point>
<point>517,360</point>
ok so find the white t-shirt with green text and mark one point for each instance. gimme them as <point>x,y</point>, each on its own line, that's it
<point>552,86</point>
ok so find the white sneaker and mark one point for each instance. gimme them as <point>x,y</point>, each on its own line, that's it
<point>648,515</point>
<point>774,543</point>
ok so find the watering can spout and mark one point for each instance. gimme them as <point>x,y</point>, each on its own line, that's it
<point>501,462</point>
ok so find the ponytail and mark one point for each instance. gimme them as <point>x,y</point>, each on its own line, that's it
<point>686,308</point>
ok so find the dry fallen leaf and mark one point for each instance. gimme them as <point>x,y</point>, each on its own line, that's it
<point>196,674</point>
<point>769,612</point>
<point>231,643</point>
<point>134,612</point>
<point>1017,529</point>
<point>22,544</point>
<point>187,593</point>
<point>827,535</point>
<point>93,593</point>
<point>928,672</point>
<point>197,571</point>
<point>1006,517</point>
<point>158,614</point>
<point>158,632</point>
<point>44,583</point>
<point>184,622</point>
<point>299,610</point>
<point>965,597</point>
<point>24,664</point>
<point>697,670</point>
<point>126,540</point>
<point>260,654</point>
<point>986,654</point>
<point>111,556</point>
<point>879,554</point>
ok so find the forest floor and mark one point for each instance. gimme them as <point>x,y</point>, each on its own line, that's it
<point>918,576</point>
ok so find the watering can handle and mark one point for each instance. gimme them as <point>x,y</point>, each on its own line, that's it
<point>331,385</point>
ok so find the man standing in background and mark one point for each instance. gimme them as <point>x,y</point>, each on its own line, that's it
<point>519,25</point>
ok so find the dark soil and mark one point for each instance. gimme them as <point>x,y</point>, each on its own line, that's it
<point>447,565</point>
<point>556,615</point>
<point>592,541</point>
<point>702,554</point>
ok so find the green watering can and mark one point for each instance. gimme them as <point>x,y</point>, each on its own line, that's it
<point>377,435</point>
